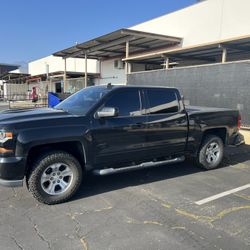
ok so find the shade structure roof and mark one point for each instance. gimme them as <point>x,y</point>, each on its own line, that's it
<point>114,45</point>
<point>237,48</point>
<point>4,68</point>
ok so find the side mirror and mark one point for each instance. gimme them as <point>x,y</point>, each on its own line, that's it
<point>107,112</point>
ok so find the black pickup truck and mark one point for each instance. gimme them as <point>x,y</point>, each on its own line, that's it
<point>105,130</point>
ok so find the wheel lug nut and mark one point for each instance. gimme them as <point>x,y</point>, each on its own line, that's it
<point>51,178</point>
<point>54,182</point>
<point>60,177</point>
<point>58,173</point>
<point>58,181</point>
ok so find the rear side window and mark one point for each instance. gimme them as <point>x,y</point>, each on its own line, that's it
<point>162,101</point>
<point>126,101</point>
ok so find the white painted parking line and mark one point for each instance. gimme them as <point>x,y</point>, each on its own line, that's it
<point>217,196</point>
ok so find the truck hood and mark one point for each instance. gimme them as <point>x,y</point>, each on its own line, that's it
<point>18,116</point>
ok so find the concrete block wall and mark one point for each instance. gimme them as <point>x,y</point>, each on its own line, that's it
<point>219,85</point>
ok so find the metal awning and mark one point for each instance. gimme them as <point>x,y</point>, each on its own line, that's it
<point>10,77</point>
<point>232,49</point>
<point>4,68</point>
<point>69,74</point>
<point>114,45</point>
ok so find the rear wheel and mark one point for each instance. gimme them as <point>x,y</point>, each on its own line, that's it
<point>55,177</point>
<point>211,152</point>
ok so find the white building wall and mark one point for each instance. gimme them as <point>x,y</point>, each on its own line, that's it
<point>57,64</point>
<point>138,67</point>
<point>23,69</point>
<point>109,74</point>
<point>204,22</point>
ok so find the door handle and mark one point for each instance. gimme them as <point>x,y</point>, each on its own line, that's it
<point>137,125</point>
<point>178,122</point>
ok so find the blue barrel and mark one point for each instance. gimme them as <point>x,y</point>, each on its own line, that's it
<point>53,99</point>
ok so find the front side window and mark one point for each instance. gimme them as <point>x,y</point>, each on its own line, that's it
<point>162,101</point>
<point>126,101</point>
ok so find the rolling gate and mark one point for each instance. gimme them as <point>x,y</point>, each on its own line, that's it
<point>218,85</point>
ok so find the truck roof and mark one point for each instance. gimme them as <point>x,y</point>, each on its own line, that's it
<point>135,86</point>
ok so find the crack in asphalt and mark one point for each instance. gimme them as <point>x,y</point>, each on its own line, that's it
<point>7,199</point>
<point>211,219</point>
<point>73,216</point>
<point>78,225</point>
<point>14,191</point>
<point>17,244</point>
<point>41,236</point>
<point>14,195</point>
<point>84,243</point>
<point>133,221</point>
<point>156,198</point>
<point>38,233</point>
<point>245,197</point>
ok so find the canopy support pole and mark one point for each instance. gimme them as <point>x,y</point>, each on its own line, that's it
<point>166,63</point>
<point>65,76</point>
<point>224,55</point>
<point>86,71</point>
<point>127,64</point>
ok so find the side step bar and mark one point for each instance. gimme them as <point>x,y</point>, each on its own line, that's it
<point>109,171</point>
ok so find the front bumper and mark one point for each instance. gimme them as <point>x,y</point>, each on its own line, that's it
<point>12,171</point>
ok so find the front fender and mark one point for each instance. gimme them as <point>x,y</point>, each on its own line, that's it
<point>30,138</point>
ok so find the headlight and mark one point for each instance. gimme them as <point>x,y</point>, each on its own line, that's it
<point>5,136</point>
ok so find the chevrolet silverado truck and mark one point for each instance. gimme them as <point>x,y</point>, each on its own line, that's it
<point>105,130</point>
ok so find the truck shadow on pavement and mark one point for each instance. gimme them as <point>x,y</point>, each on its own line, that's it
<point>236,155</point>
<point>95,185</point>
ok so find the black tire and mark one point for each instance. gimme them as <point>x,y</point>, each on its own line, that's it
<point>204,159</point>
<point>44,162</point>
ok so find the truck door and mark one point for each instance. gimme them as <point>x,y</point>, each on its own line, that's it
<point>167,124</point>
<point>120,139</point>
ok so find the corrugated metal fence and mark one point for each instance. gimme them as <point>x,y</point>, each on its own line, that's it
<point>219,85</point>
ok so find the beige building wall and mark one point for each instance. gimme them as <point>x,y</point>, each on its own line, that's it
<point>55,64</point>
<point>208,21</point>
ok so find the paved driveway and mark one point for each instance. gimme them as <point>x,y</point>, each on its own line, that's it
<point>148,209</point>
<point>4,106</point>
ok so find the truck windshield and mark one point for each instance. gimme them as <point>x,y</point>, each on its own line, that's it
<point>82,101</point>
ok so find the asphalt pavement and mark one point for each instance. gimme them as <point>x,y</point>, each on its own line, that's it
<point>147,209</point>
<point>4,106</point>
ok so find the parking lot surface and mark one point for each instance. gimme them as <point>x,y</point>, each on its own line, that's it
<point>148,209</point>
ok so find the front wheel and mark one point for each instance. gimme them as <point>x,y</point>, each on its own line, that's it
<point>55,177</point>
<point>211,152</point>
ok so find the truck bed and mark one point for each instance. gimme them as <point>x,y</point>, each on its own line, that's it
<point>200,109</point>
<point>207,118</point>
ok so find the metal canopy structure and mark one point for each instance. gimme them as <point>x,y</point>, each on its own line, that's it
<point>16,78</point>
<point>4,68</point>
<point>114,44</point>
<point>120,43</point>
<point>220,51</point>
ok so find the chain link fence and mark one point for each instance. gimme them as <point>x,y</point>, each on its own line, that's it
<point>20,95</point>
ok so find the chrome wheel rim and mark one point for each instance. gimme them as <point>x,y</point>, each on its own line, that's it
<point>56,178</point>
<point>213,152</point>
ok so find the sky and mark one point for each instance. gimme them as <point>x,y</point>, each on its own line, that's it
<point>32,29</point>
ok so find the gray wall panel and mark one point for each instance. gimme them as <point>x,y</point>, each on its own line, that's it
<point>221,85</point>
